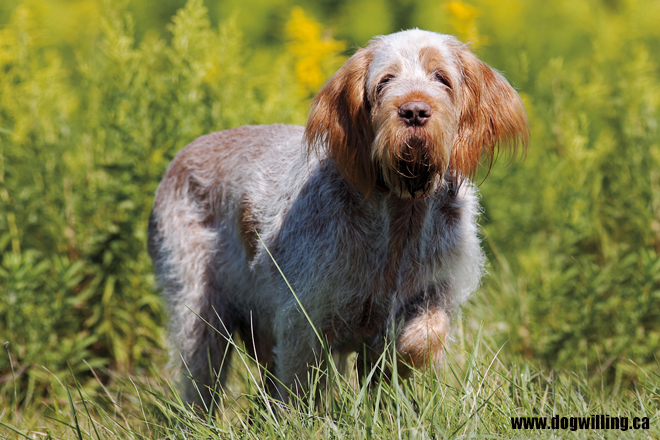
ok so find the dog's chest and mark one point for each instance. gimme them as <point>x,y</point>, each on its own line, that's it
<point>334,241</point>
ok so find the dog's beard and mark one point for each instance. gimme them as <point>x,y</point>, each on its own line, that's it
<point>411,166</point>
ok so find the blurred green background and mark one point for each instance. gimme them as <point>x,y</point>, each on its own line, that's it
<point>97,97</point>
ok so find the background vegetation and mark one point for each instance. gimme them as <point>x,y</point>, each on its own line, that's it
<point>97,97</point>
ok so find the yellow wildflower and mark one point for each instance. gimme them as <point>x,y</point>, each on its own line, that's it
<point>464,19</point>
<point>315,52</point>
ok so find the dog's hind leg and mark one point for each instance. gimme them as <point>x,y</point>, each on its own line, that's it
<point>205,346</point>
<point>200,318</point>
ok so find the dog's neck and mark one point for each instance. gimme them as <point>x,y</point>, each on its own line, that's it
<point>449,185</point>
<point>380,185</point>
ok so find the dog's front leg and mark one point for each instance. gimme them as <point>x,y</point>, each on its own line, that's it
<point>297,349</point>
<point>421,342</point>
<point>420,336</point>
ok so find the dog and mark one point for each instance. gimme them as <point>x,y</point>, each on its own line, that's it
<point>368,211</point>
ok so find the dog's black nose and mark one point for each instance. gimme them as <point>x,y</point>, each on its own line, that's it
<point>415,112</point>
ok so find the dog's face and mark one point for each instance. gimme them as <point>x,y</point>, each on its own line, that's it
<point>411,91</point>
<point>409,107</point>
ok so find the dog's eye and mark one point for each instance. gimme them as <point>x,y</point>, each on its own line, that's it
<point>441,78</point>
<point>383,82</point>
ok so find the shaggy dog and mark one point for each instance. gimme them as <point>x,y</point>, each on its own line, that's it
<point>367,210</point>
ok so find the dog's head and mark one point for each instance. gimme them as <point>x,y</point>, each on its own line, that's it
<point>409,107</point>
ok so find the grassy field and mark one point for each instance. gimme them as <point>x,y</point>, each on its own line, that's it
<point>96,97</point>
<point>475,396</point>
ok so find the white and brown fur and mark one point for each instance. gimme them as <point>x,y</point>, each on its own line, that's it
<point>367,209</point>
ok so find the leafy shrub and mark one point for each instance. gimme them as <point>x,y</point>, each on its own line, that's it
<point>577,223</point>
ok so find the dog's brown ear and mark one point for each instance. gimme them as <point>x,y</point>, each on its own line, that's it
<point>339,124</point>
<point>492,117</point>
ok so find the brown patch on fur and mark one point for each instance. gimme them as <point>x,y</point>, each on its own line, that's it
<point>417,95</point>
<point>339,123</point>
<point>432,60</point>
<point>492,116</point>
<point>407,219</point>
<point>248,229</point>
<point>422,340</point>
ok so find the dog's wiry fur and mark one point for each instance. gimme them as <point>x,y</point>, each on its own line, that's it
<point>367,210</point>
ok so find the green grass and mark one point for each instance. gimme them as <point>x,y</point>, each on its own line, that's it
<point>474,396</point>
